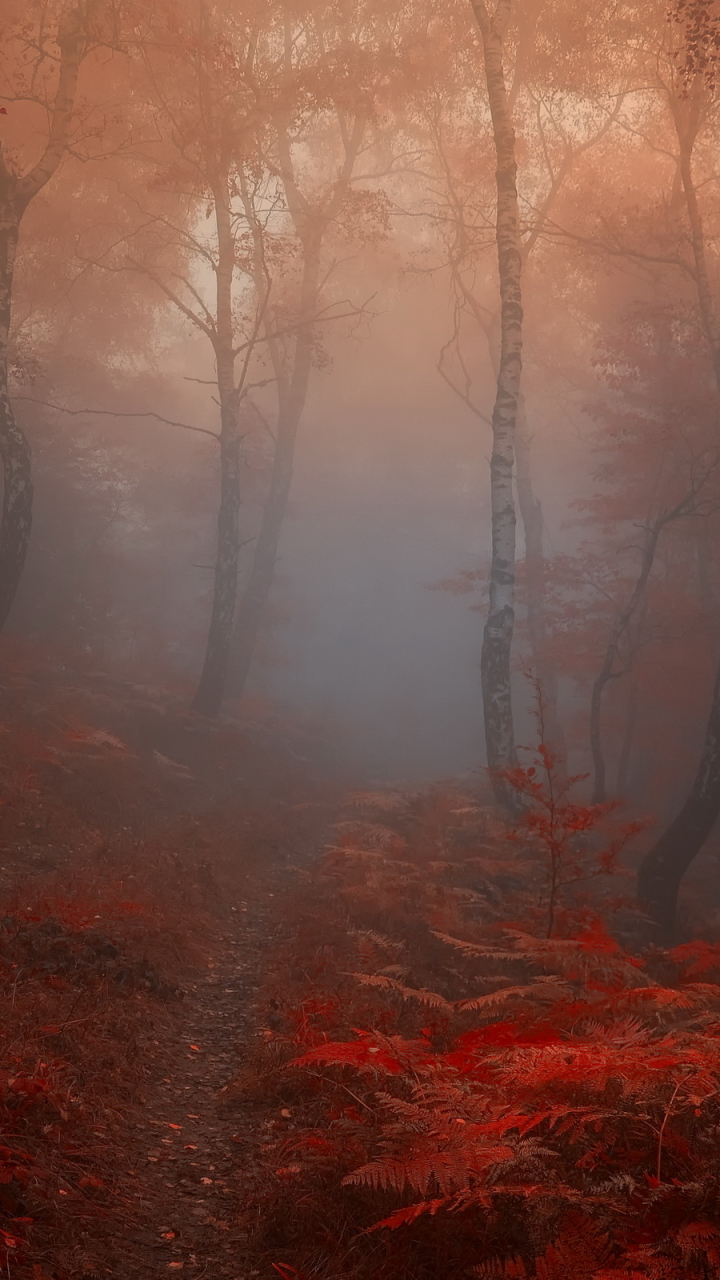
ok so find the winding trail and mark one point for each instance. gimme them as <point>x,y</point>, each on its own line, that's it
<point>193,1163</point>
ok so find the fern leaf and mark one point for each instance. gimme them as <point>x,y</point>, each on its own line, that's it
<point>448,1171</point>
<point>542,990</point>
<point>392,946</point>
<point>509,1269</point>
<point>430,998</point>
<point>404,1217</point>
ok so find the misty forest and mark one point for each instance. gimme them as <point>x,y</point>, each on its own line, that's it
<point>360,639</point>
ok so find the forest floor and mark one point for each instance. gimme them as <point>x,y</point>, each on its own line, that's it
<point>255,1024</point>
<point>141,849</point>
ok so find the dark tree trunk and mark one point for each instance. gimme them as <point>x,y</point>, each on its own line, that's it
<point>311,225</point>
<point>255,595</point>
<point>16,522</point>
<point>608,671</point>
<point>293,396</point>
<point>531,514</point>
<point>498,634</point>
<point>16,193</point>
<point>665,865</point>
<point>211,688</point>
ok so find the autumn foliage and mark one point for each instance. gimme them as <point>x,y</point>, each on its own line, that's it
<point>463,1090</point>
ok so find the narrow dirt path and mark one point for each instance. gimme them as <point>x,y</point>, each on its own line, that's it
<point>183,1192</point>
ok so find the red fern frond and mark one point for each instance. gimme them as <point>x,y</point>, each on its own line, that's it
<point>430,998</point>
<point>405,1217</point>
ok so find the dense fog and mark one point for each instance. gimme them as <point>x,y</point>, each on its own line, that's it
<point>368,389</point>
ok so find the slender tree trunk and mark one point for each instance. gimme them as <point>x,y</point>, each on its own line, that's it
<point>664,867</point>
<point>293,396</point>
<point>16,522</point>
<point>255,595</point>
<point>211,688</point>
<point>686,117</point>
<point>311,224</point>
<point>607,671</point>
<point>531,514</point>
<point>498,635</point>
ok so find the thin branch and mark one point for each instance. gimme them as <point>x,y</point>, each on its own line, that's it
<point>110,413</point>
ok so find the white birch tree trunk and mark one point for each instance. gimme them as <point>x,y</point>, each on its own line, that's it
<point>498,635</point>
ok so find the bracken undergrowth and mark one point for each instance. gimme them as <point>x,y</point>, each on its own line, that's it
<point>474,1063</point>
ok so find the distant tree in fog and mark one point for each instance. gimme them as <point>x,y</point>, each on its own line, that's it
<point>350,56</point>
<point>264,117</point>
<point>40,68</point>
<point>665,865</point>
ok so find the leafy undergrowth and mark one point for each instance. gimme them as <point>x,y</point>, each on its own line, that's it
<point>468,1073</point>
<point>82,1010</point>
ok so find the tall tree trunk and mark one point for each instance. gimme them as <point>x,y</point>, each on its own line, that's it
<point>608,671</point>
<point>16,522</point>
<point>16,193</point>
<point>255,595</point>
<point>293,396</point>
<point>531,514</point>
<point>498,634</point>
<point>211,688</point>
<point>664,866</point>
<point>311,224</point>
